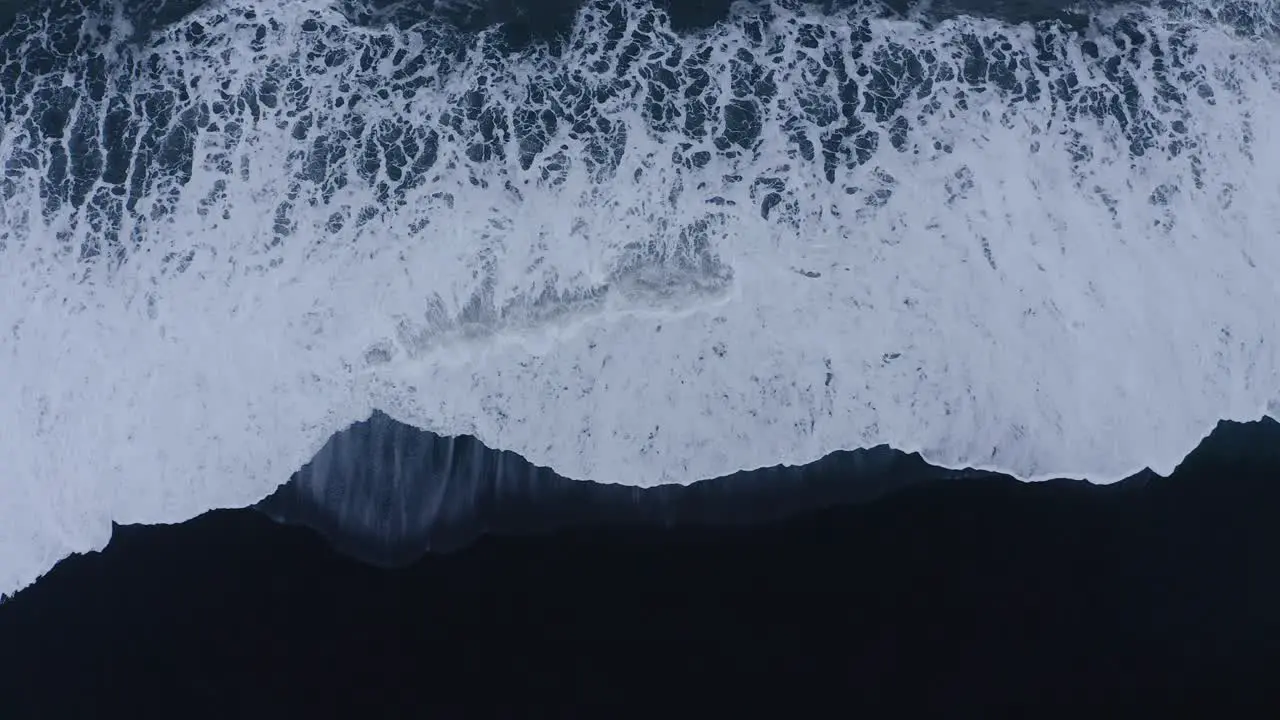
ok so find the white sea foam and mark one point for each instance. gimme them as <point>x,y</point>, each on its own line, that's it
<point>997,279</point>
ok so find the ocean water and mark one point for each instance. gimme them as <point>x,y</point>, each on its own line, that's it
<point>961,595</point>
<point>632,244</point>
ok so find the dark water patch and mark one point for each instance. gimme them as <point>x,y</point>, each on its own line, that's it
<point>526,21</point>
<point>145,16</point>
<point>981,593</point>
<point>387,493</point>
